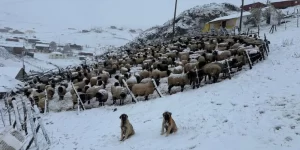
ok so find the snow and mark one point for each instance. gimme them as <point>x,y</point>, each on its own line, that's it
<point>7,83</point>
<point>11,44</point>
<point>237,15</point>
<point>10,71</point>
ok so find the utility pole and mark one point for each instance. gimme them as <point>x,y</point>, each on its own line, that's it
<point>174,19</point>
<point>241,17</point>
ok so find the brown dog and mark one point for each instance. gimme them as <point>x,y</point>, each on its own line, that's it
<point>126,127</point>
<point>168,124</point>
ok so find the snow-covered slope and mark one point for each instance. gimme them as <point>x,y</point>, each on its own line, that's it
<point>188,23</point>
<point>258,109</point>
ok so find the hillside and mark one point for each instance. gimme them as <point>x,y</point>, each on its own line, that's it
<point>188,23</point>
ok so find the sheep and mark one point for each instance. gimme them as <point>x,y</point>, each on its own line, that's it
<point>213,70</point>
<point>177,80</point>
<point>41,86</point>
<point>37,94</point>
<point>61,91</point>
<point>82,84</point>
<point>124,70</point>
<point>91,93</point>
<point>41,104</point>
<point>104,77</point>
<point>133,79</point>
<point>177,70</point>
<point>144,89</point>
<point>221,55</point>
<point>120,78</point>
<point>50,91</point>
<point>190,66</point>
<point>94,80</point>
<point>119,92</point>
<point>162,67</point>
<point>101,96</point>
<point>144,74</point>
<point>161,74</point>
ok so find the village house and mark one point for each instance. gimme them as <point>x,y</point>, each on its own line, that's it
<point>85,54</point>
<point>41,47</point>
<point>76,47</point>
<point>12,39</point>
<point>56,55</point>
<point>15,48</point>
<point>225,23</point>
<point>285,3</point>
<point>248,7</point>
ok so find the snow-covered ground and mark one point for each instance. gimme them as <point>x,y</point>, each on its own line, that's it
<point>257,109</point>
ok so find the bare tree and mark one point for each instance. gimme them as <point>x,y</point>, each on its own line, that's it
<point>255,17</point>
<point>67,50</point>
<point>53,46</point>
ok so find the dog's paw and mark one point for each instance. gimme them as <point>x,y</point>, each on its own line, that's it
<point>162,133</point>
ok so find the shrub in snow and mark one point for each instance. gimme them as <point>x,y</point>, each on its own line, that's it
<point>287,42</point>
<point>113,27</point>
<point>97,29</point>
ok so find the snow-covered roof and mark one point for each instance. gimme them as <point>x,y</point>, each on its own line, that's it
<point>11,44</point>
<point>7,83</point>
<point>56,53</point>
<point>10,71</point>
<point>232,16</point>
<point>42,45</point>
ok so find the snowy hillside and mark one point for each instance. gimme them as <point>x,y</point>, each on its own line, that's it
<point>258,109</point>
<point>188,23</point>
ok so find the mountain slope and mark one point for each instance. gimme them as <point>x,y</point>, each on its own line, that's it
<point>189,22</point>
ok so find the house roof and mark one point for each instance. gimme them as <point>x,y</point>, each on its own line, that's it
<point>232,16</point>
<point>7,83</point>
<point>251,3</point>
<point>57,53</point>
<point>42,45</point>
<point>11,44</point>
<point>10,71</point>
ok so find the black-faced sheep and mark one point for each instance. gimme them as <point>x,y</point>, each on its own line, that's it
<point>61,91</point>
<point>120,78</point>
<point>144,89</point>
<point>101,96</point>
<point>118,92</point>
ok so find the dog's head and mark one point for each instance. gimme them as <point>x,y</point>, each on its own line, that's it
<point>123,117</point>
<point>167,115</point>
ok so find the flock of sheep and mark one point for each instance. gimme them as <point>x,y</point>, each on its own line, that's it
<point>138,72</point>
